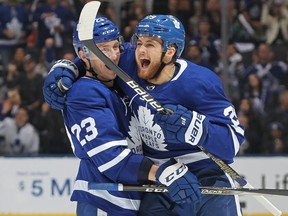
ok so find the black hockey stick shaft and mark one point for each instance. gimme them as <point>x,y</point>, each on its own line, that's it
<point>86,21</point>
<point>85,32</point>
<point>204,190</point>
<point>226,168</point>
<point>125,77</point>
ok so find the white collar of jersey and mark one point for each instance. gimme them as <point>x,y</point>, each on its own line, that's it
<point>183,65</point>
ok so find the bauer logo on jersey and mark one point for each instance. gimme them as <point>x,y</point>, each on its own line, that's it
<point>195,130</point>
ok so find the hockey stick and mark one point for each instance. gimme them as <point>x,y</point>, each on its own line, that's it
<point>85,31</point>
<point>204,190</point>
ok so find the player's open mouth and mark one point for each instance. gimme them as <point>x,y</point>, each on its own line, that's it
<point>145,63</point>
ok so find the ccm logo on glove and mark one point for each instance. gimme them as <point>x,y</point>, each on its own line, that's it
<point>182,185</point>
<point>195,129</point>
<point>172,173</point>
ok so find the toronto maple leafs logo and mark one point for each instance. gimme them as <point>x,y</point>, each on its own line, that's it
<point>135,142</point>
<point>150,133</point>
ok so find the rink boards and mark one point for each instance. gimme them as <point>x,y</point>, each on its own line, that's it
<point>42,185</point>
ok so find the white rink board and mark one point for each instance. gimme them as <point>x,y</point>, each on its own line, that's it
<point>37,185</point>
<point>263,172</point>
<point>43,185</point>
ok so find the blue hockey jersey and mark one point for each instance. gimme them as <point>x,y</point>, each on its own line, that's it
<point>96,121</point>
<point>196,88</point>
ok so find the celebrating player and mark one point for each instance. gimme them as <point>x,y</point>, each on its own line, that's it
<point>97,120</point>
<point>202,115</point>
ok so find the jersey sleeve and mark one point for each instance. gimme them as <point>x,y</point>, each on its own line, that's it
<point>91,120</point>
<point>80,65</point>
<point>225,134</point>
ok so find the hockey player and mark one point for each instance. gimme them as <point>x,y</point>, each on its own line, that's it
<point>202,115</point>
<point>97,120</point>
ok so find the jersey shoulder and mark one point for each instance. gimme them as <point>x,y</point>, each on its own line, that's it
<point>191,70</point>
<point>88,91</point>
<point>199,85</point>
<point>195,75</point>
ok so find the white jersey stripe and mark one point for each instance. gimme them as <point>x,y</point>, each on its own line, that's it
<point>238,129</point>
<point>101,212</point>
<point>235,140</point>
<point>106,146</point>
<point>119,201</point>
<point>182,68</point>
<point>115,161</point>
<point>186,159</point>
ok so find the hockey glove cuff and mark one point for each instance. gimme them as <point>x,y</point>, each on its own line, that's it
<point>59,80</point>
<point>182,185</point>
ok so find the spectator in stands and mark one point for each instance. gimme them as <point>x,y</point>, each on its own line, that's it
<point>19,136</point>
<point>138,9</point>
<point>275,18</point>
<point>53,137</point>
<point>129,29</point>
<point>14,29</point>
<point>207,41</point>
<point>31,86</point>
<point>3,89</point>
<point>257,94</point>
<point>11,105</point>
<point>107,9</point>
<point>234,73</point>
<point>160,7</point>
<point>13,76</point>
<point>54,20</point>
<point>69,55</point>
<point>254,8</point>
<point>272,74</point>
<point>212,11</point>
<point>275,140</point>
<point>192,28</point>
<point>18,58</point>
<point>252,122</point>
<point>280,113</point>
<point>244,30</point>
<point>245,106</point>
<point>194,54</point>
<point>185,10</point>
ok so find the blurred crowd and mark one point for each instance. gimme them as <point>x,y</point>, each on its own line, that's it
<point>35,33</point>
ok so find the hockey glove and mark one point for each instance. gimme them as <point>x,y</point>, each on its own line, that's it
<point>182,185</point>
<point>183,125</point>
<point>59,80</point>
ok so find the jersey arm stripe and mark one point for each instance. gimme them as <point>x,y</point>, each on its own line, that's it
<point>238,129</point>
<point>106,146</point>
<point>235,140</point>
<point>186,158</point>
<point>115,161</point>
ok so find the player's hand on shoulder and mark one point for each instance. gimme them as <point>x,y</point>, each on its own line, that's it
<point>182,185</point>
<point>183,125</point>
<point>58,81</point>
